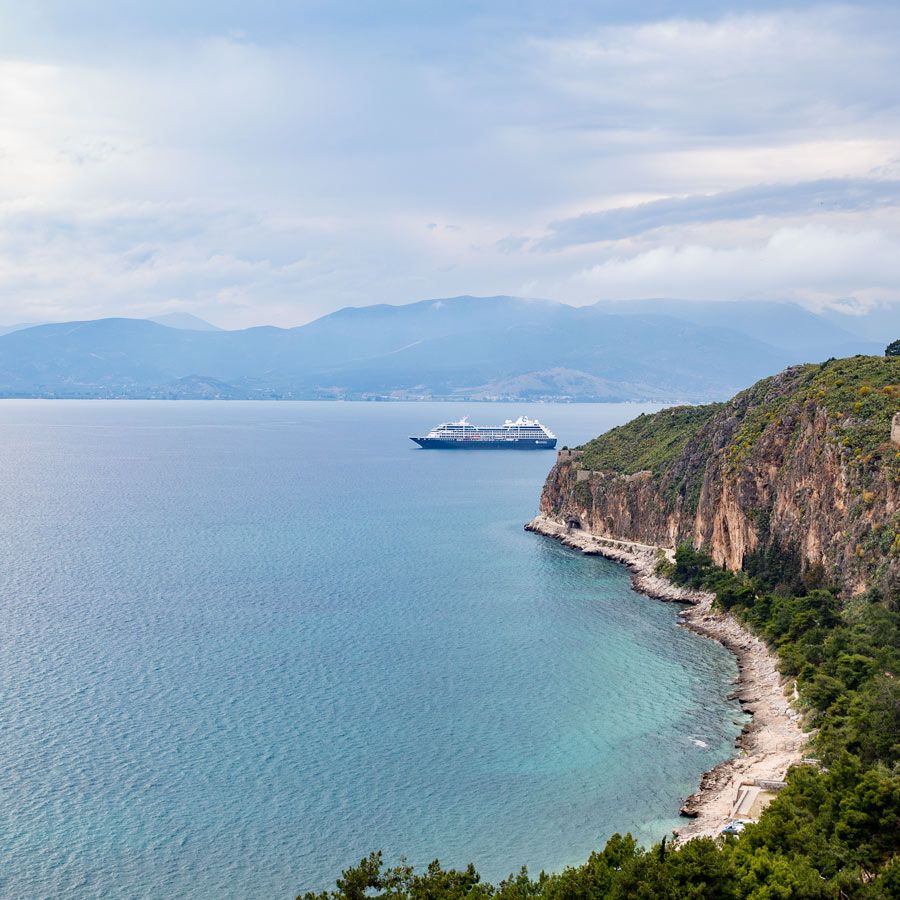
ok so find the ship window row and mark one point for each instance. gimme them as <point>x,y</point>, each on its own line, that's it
<point>526,429</point>
<point>493,433</point>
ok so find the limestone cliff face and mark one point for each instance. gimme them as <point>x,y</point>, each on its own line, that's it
<point>795,470</point>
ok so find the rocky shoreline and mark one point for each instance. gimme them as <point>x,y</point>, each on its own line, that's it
<point>772,741</point>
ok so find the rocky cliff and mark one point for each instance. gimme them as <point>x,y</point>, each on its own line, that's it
<point>796,477</point>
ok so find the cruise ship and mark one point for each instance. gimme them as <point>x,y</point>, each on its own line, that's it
<point>521,434</point>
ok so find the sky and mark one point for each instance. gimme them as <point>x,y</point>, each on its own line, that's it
<point>262,162</point>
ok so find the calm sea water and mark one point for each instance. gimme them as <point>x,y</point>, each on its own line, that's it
<point>243,644</point>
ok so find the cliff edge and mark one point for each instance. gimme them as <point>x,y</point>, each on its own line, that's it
<point>798,476</point>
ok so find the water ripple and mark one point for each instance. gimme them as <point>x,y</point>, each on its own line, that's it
<point>244,644</point>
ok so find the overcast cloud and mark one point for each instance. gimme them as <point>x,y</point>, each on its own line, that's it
<point>767,200</point>
<point>271,162</point>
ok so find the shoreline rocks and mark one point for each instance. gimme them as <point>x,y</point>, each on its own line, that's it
<point>772,741</point>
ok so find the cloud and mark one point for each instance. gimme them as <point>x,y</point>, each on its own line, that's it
<point>512,243</point>
<point>783,72</point>
<point>810,264</point>
<point>812,197</point>
<point>257,165</point>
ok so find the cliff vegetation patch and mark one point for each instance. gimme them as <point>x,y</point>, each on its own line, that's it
<point>860,395</point>
<point>651,442</point>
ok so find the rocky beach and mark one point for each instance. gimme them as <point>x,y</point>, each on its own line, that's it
<point>772,741</point>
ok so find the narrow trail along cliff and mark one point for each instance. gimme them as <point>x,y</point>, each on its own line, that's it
<point>796,481</point>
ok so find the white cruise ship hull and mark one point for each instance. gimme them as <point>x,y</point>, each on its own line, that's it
<point>473,443</point>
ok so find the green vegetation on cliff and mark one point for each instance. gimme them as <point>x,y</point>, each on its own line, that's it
<point>650,442</point>
<point>860,395</point>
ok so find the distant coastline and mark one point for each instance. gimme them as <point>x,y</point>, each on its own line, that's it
<point>467,349</point>
<point>481,401</point>
<point>772,742</point>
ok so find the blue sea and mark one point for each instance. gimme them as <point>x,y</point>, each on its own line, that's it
<point>244,644</point>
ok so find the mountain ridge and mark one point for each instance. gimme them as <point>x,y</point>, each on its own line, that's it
<point>453,348</point>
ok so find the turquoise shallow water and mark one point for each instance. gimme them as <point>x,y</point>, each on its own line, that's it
<point>246,643</point>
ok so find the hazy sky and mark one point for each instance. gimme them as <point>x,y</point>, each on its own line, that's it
<point>268,162</point>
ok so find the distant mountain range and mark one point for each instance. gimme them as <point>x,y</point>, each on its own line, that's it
<point>478,348</point>
<point>184,321</point>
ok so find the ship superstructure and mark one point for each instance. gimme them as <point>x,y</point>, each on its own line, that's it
<point>519,434</point>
